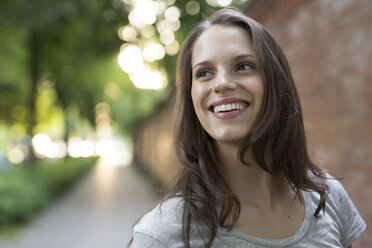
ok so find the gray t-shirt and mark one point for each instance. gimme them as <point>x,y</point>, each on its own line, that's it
<point>338,227</point>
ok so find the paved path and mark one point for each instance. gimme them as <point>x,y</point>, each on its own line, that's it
<point>98,211</point>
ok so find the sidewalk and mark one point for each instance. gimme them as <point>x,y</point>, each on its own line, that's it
<point>97,212</point>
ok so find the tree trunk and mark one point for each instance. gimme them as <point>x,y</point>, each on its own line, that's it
<point>34,70</point>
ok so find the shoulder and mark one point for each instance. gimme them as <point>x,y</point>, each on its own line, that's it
<point>334,185</point>
<point>338,196</point>
<point>337,200</point>
<point>163,223</point>
<point>341,218</point>
<point>335,189</point>
<point>169,211</point>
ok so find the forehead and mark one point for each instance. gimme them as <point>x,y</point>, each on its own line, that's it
<point>221,41</point>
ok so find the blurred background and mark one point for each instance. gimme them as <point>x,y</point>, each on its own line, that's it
<point>86,114</point>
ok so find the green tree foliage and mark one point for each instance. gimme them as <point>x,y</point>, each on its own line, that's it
<point>70,47</point>
<point>71,44</point>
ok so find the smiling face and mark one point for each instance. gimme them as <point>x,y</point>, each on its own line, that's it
<point>227,89</point>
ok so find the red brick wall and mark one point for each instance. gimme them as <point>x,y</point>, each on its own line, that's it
<point>153,144</point>
<point>329,47</point>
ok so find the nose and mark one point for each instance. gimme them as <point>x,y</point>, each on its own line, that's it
<point>223,82</point>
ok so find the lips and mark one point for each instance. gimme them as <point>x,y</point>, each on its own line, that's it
<point>228,107</point>
<point>228,104</point>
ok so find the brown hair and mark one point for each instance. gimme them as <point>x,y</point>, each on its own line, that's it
<point>277,139</point>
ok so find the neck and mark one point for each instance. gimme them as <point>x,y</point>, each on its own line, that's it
<point>250,183</point>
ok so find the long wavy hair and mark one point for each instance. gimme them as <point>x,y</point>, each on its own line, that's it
<point>277,139</point>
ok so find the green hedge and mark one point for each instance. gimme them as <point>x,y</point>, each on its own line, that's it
<point>26,189</point>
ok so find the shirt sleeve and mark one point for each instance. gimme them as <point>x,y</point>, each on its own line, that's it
<point>142,240</point>
<point>352,223</point>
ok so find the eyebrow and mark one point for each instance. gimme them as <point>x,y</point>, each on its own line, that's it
<point>242,56</point>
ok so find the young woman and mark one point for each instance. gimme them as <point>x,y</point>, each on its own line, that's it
<point>246,178</point>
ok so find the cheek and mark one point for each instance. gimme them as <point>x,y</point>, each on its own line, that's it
<point>260,94</point>
<point>258,90</point>
<point>196,95</point>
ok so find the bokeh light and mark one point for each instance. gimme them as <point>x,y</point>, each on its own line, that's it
<point>114,152</point>
<point>143,13</point>
<point>127,33</point>
<point>44,146</point>
<point>167,38</point>
<point>145,18</point>
<point>153,51</point>
<point>224,3</point>
<point>219,3</point>
<point>62,148</point>
<point>112,90</point>
<point>172,14</point>
<point>148,31</point>
<point>148,79</point>
<point>192,7</point>
<point>130,59</point>
<point>103,121</point>
<point>15,155</point>
<point>87,148</point>
<point>80,148</point>
<point>172,49</point>
<point>160,7</point>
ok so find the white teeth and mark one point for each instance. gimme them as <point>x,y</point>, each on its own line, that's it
<point>229,107</point>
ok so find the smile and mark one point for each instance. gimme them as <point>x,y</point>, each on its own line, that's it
<point>229,107</point>
<point>228,104</point>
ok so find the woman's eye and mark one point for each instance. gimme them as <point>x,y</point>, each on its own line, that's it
<point>203,74</point>
<point>244,67</point>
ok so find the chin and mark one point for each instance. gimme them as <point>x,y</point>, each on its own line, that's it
<point>229,139</point>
